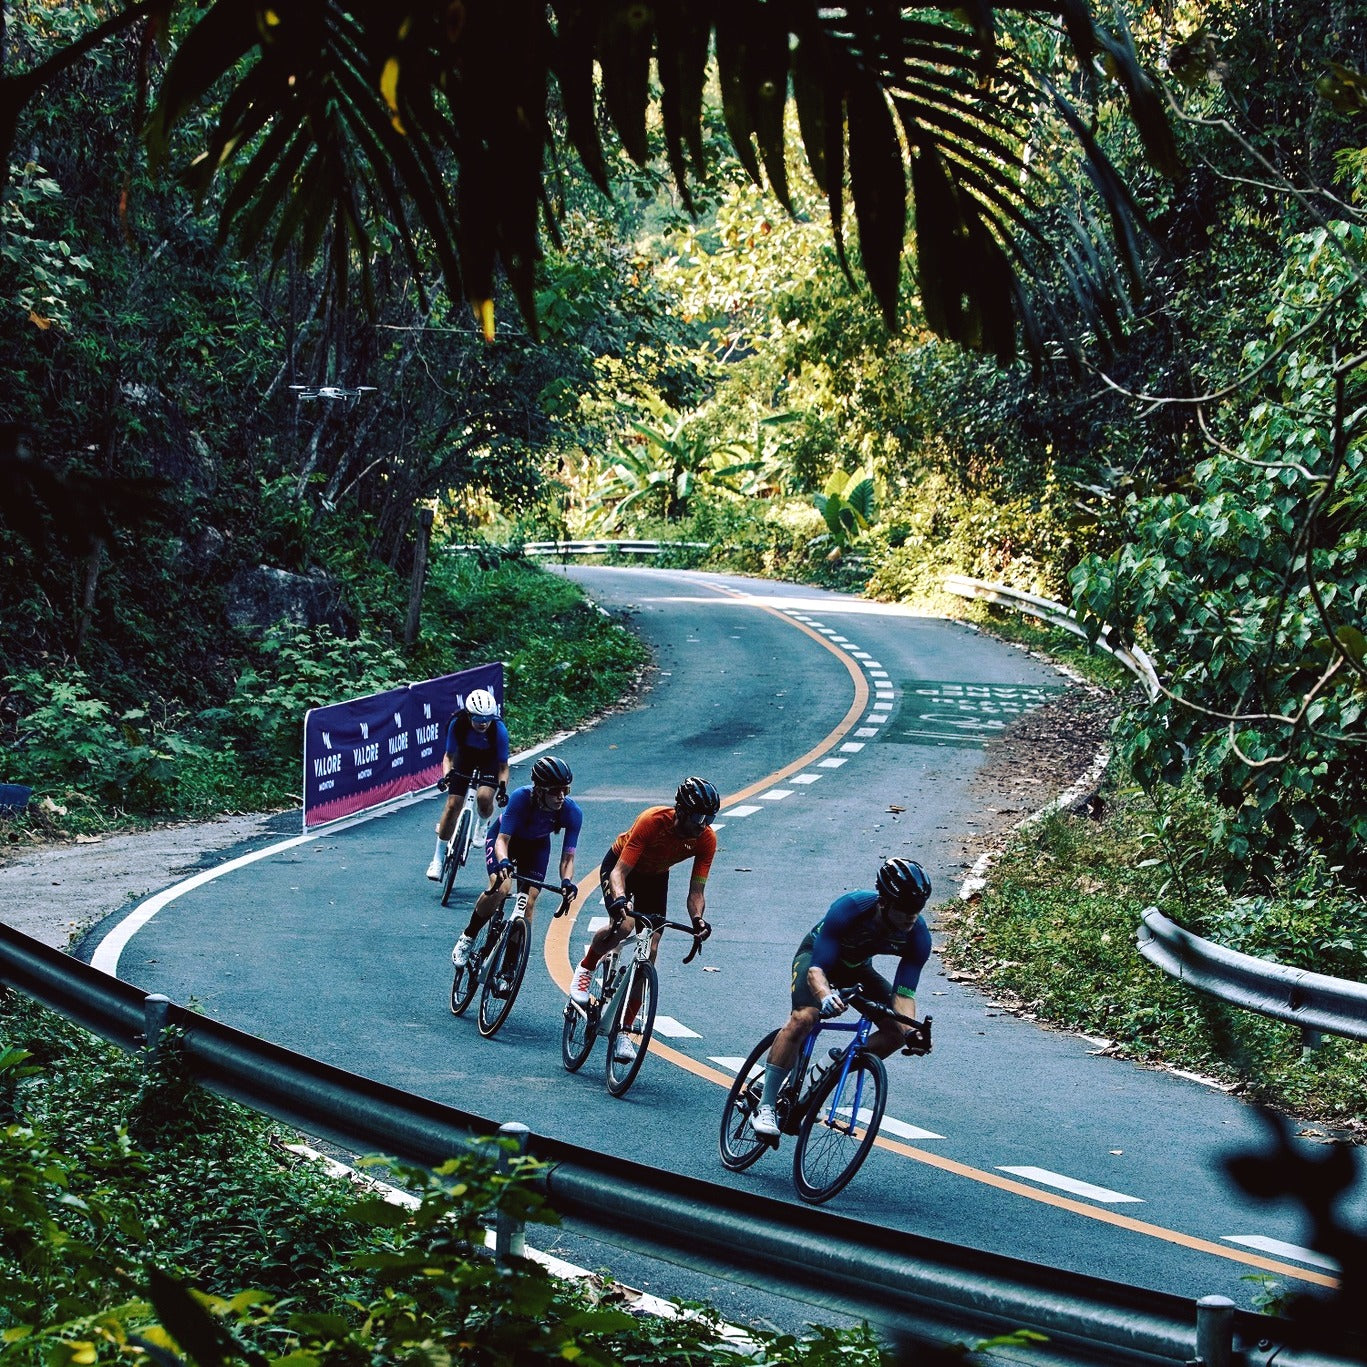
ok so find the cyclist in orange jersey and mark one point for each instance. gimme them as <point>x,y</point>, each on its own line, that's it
<point>638,866</point>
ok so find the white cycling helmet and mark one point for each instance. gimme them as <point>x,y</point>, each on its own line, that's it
<point>481,703</point>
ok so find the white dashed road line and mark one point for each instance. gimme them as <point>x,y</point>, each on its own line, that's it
<point>672,1029</point>
<point>1279,1249</point>
<point>1071,1184</point>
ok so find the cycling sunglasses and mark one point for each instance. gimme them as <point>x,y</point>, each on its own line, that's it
<point>481,723</point>
<point>693,819</point>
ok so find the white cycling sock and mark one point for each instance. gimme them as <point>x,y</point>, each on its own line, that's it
<point>441,850</point>
<point>774,1073</point>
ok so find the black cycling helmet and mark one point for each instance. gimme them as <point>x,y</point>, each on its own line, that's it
<point>697,797</point>
<point>550,772</point>
<point>903,885</point>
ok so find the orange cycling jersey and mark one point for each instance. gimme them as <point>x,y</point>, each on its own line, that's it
<point>652,844</point>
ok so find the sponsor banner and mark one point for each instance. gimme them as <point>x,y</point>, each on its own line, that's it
<point>370,750</point>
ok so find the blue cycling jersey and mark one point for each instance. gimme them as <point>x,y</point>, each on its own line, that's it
<point>474,750</point>
<point>523,819</point>
<point>853,931</point>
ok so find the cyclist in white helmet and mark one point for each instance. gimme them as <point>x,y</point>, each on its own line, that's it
<point>476,750</point>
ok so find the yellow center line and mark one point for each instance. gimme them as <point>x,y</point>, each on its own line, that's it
<point>556,949</point>
<point>558,965</point>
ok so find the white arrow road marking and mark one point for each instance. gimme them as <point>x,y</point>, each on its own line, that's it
<point>1053,1179</point>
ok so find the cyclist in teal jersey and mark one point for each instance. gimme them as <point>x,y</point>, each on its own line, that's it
<point>837,953</point>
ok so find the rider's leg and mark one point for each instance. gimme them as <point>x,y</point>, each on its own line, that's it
<point>446,823</point>
<point>488,902</point>
<point>605,939</point>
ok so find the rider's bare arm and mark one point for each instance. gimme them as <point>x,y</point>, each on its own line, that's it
<point>697,900</point>
<point>617,878</point>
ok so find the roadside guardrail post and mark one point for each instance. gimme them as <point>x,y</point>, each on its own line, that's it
<point>510,1236</point>
<point>1310,1041</point>
<point>155,1015</point>
<point>1215,1331</point>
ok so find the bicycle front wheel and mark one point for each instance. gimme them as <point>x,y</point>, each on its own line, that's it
<point>455,856</point>
<point>466,979</point>
<point>581,1023</point>
<point>740,1145</point>
<point>629,1036</point>
<point>504,978</point>
<point>840,1126</point>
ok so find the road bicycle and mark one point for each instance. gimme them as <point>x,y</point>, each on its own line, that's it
<point>833,1101</point>
<point>498,958</point>
<point>625,975</point>
<point>458,847</point>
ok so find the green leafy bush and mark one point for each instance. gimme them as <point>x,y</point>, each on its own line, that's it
<point>299,669</point>
<point>72,747</point>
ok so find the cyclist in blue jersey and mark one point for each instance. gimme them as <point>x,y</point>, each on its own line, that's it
<point>476,745</point>
<point>837,953</point>
<point>522,836</point>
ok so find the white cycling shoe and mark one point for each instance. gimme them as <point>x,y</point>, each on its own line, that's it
<point>625,1051</point>
<point>434,869</point>
<point>579,992</point>
<point>460,955</point>
<point>765,1122</point>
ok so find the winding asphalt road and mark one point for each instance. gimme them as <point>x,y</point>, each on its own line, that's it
<point>841,732</point>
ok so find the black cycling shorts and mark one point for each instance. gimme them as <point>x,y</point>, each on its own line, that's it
<point>649,891</point>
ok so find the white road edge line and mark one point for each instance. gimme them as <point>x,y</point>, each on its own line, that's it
<point>107,952</point>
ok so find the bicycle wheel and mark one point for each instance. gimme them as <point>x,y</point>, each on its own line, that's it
<point>455,856</point>
<point>740,1145</point>
<point>507,964</point>
<point>581,1023</point>
<point>467,979</point>
<point>632,1036</point>
<point>840,1126</point>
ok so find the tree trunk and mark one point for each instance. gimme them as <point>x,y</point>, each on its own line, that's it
<point>92,579</point>
<point>424,537</point>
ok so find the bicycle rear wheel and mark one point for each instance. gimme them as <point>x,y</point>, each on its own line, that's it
<point>455,855</point>
<point>581,1023</point>
<point>840,1126</point>
<point>740,1145</point>
<point>631,1035</point>
<point>501,983</point>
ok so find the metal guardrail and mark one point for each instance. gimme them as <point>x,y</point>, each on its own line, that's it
<point>900,1282</point>
<point>607,547</point>
<point>1057,615</point>
<point>602,547</point>
<point>1319,1004</point>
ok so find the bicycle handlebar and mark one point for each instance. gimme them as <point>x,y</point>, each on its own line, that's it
<point>566,897</point>
<point>876,1011</point>
<point>660,923</point>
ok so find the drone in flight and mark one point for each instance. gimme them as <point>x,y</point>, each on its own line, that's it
<point>331,391</point>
